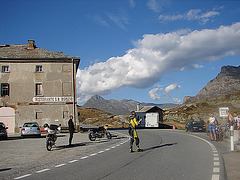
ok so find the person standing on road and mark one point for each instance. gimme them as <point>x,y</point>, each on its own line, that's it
<point>237,121</point>
<point>230,120</point>
<point>133,122</point>
<point>212,121</point>
<point>71,129</point>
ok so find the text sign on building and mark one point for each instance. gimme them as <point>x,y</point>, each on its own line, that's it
<point>52,99</point>
<point>223,111</point>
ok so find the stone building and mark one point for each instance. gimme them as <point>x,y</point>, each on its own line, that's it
<point>36,85</point>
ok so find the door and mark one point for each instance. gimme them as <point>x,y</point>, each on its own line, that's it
<point>7,116</point>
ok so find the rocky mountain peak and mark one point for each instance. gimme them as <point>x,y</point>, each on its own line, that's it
<point>226,82</point>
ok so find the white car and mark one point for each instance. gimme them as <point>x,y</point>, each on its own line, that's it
<point>30,129</point>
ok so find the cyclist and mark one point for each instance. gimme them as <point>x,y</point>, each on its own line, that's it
<point>133,122</point>
<point>212,121</point>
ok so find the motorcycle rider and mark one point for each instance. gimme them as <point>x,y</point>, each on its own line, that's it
<point>133,122</point>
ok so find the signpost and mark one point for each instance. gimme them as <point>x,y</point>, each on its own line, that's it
<point>223,111</point>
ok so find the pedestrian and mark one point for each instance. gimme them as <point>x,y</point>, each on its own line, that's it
<point>133,122</point>
<point>230,120</point>
<point>123,122</point>
<point>237,121</point>
<point>212,121</point>
<point>71,129</point>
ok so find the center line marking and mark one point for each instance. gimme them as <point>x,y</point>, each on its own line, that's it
<point>60,165</point>
<point>23,176</point>
<point>73,161</point>
<point>43,170</point>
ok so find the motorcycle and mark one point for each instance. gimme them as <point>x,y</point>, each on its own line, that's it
<point>99,132</point>
<point>51,135</point>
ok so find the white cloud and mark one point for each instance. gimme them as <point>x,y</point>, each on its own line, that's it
<point>155,55</point>
<point>176,100</point>
<point>154,94</point>
<point>119,18</point>
<point>170,88</point>
<point>153,5</point>
<point>191,15</point>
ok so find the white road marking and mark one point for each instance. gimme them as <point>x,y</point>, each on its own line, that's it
<point>84,157</point>
<point>60,165</point>
<point>215,177</point>
<point>216,163</point>
<point>216,170</point>
<point>93,154</point>
<point>23,176</point>
<point>216,158</point>
<point>73,161</point>
<point>43,170</point>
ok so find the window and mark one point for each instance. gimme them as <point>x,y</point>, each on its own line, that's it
<point>39,68</point>
<point>38,115</point>
<point>5,68</point>
<point>65,114</point>
<point>4,89</point>
<point>39,89</point>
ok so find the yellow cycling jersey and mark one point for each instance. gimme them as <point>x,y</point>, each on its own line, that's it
<point>133,122</point>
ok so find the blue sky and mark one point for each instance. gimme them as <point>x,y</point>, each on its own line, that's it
<point>146,50</point>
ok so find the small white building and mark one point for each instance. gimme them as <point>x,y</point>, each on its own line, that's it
<point>151,115</point>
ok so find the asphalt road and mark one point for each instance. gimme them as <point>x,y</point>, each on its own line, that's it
<point>167,155</point>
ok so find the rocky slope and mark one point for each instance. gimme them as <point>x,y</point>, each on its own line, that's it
<point>226,82</point>
<point>201,110</point>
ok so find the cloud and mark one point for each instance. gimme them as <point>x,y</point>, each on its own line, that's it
<point>153,5</point>
<point>154,93</point>
<point>157,54</point>
<point>157,5</point>
<point>119,19</point>
<point>170,88</point>
<point>100,20</point>
<point>176,100</point>
<point>191,15</point>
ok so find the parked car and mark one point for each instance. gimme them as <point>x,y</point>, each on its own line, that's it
<point>3,131</point>
<point>30,129</point>
<point>195,126</point>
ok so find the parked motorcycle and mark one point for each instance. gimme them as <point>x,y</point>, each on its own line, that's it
<point>51,135</point>
<point>99,132</point>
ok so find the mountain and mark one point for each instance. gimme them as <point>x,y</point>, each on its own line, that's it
<point>122,107</point>
<point>226,82</point>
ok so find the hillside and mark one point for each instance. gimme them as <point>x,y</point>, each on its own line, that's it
<point>96,117</point>
<point>122,107</point>
<point>201,110</point>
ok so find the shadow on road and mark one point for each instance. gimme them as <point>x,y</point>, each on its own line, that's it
<point>6,169</point>
<point>156,147</point>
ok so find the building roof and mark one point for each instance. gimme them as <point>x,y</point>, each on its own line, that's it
<point>148,108</point>
<point>30,51</point>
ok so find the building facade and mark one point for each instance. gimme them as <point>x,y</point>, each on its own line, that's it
<point>36,85</point>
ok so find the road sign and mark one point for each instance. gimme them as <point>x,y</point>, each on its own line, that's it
<point>223,111</point>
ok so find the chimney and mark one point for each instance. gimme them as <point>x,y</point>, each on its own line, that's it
<point>138,106</point>
<point>31,44</point>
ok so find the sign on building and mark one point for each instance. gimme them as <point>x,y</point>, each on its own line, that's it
<point>223,111</point>
<point>53,99</point>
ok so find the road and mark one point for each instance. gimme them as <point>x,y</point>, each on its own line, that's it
<point>167,155</point>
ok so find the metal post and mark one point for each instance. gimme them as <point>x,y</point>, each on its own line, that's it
<point>73,89</point>
<point>232,138</point>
